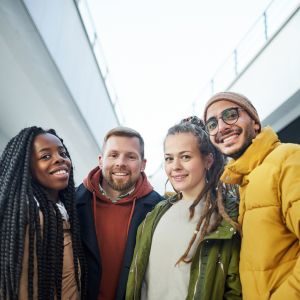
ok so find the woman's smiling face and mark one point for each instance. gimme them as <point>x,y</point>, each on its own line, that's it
<point>50,165</point>
<point>185,166</point>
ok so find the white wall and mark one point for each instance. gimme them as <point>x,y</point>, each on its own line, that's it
<point>62,31</point>
<point>52,80</point>
<point>274,76</point>
<point>271,80</point>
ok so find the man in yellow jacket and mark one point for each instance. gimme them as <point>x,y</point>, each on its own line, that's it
<point>268,173</point>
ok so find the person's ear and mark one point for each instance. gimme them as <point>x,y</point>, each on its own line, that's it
<point>209,161</point>
<point>256,127</point>
<point>143,167</point>
<point>100,161</point>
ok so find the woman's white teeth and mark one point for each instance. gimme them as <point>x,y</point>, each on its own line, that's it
<point>179,177</point>
<point>60,172</point>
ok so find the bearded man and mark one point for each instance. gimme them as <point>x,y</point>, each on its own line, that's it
<point>111,203</point>
<point>268,174</point>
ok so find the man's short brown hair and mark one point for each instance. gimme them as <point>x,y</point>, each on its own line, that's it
<point>126,132</point>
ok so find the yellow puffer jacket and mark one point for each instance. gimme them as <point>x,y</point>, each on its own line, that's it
<point>269,177</point>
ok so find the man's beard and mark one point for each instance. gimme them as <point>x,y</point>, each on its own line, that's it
<point>241,151</point>
<point>249,136</point>
<point>119,186</point>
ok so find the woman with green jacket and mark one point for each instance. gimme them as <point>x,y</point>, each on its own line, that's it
<point>188,246</point>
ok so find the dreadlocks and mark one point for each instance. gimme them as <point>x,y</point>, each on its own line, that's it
<point>22,199</point>
<point>213,192</point>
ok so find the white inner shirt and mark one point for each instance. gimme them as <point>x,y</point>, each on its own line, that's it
<point>164,280</point>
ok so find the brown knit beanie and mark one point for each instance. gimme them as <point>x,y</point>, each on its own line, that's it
<point>236,98</point>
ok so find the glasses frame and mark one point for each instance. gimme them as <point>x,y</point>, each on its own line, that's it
<point>237,109</point>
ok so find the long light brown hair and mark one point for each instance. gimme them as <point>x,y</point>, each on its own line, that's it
<point>214,191</point>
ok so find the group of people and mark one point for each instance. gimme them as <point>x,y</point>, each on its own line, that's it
<point>229,231</point>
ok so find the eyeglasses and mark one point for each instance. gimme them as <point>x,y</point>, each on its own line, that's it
<point>228,116</point>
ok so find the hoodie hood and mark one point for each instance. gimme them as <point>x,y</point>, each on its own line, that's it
<point>112,223</point>
<point>142,187</point>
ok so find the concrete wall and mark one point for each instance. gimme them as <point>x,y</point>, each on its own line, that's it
<point>49,78</point>
<point>273,77</point>
<point>271,81</point>
<point>61,29</point>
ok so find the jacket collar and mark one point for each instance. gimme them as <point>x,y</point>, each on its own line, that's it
<point>223,231</point>
<point>88,231</point>
<point>81,201</point>
<point>264,143</point>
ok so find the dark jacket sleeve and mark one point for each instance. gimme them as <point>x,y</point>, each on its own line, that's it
<point>89,241</point>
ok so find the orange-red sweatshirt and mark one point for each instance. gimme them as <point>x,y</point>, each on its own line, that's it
<point>112,221</point>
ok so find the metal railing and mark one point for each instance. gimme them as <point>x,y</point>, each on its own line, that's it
<point>90,28</point>
<point>260,34</point>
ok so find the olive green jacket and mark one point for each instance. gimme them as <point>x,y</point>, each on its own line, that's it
<point>214,271</point>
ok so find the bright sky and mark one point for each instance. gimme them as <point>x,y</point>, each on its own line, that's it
<point>160,53</point>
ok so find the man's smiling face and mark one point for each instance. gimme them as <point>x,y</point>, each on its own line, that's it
<point>232,140</point>
<point>121,164</point>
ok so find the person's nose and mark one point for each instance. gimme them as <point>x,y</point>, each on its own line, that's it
<point>58,158</point>
<point>176,164</point>
<point>222,125</point>
<point>121,161</point>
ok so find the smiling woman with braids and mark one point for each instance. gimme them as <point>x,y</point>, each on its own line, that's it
<point>40,251</point>
<point>188,246</point>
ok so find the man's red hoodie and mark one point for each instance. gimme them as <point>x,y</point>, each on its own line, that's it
<point>112,221</point>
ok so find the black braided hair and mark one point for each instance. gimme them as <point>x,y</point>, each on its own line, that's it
<point>213,192</point>
<point>22,202</point>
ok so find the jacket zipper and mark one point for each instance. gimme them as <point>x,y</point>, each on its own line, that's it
<point>195,288</point>
<point>135,261</point>
<point>218,261</point>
